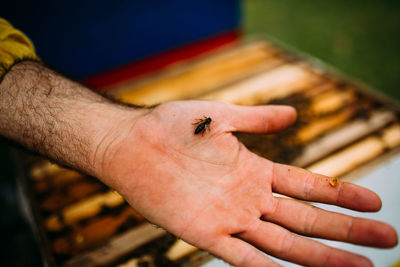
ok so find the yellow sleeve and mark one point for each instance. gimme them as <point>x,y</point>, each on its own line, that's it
<point>14,46</point>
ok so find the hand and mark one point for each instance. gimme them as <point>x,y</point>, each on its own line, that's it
<point>212,192</point>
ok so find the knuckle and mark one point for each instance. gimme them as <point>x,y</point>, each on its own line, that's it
<point>309,220</point>
<point>248,259</point>
<point>285,246</point>
<point>308,186</point>
<point>349,230</point>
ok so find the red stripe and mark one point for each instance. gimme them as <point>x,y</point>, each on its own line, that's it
<point>105,80</point>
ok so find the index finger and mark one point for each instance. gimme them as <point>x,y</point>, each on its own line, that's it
<point>302,184</point>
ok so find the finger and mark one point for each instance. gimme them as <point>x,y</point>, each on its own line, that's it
<point>312,221</point>
<point>239,253</point>
<point>281,243</point>
<point>261,119</point>
<point>305,185</point>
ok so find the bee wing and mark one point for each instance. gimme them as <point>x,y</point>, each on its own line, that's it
<point>198,121</point>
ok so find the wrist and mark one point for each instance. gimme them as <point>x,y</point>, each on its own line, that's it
<point>59,118</point>
<point>110,125</point>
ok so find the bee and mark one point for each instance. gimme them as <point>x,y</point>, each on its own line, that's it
<point>202,125</point>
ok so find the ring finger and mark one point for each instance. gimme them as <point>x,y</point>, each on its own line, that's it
<point>281,243</point>
<point>308,220</point>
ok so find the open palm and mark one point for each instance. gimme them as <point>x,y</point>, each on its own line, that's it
<point>212,192</point>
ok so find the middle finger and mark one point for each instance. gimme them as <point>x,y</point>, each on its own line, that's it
<point>312,221</point>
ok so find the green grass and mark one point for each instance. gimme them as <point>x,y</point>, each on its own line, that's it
<point>360,38</point>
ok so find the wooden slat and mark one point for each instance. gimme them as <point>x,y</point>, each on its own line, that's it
<point>118,246</point>
<point>179,250</point>
<point>357,154</point>
<point>201,78</point>
<point>262,88</point>
<point>83,209</point>
<point>96,231</point>
<point>343,136</point>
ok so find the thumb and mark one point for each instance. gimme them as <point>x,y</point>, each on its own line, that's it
<point>262,119</point>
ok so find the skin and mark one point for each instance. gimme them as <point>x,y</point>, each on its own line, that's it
<point>207,189</point>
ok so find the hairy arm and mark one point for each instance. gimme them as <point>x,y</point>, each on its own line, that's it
<point>57,117</point>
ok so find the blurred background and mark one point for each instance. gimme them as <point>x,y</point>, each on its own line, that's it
<point>360,38</point>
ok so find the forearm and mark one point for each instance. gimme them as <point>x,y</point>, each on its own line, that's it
<point>58,118</point>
